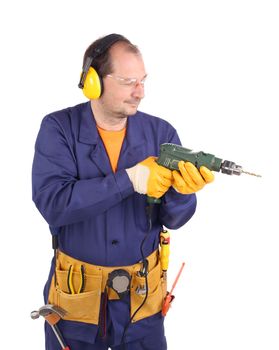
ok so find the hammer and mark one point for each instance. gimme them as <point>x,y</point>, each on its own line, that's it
<point>52,314</point>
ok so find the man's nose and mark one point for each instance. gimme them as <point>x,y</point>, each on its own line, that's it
<point>138,90</point>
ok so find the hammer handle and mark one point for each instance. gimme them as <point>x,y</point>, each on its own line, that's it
<point>59,337</point>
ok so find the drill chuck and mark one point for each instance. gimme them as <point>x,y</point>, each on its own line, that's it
<point>230,168</point>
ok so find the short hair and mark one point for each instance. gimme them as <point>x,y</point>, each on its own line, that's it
<point>103,63</point>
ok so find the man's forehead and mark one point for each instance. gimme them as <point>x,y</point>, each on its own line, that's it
<point>129,62</point>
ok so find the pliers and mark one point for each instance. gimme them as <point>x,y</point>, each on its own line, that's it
<point>70,280</point>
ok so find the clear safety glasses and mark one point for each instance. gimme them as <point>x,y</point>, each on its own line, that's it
<point>130,82</point>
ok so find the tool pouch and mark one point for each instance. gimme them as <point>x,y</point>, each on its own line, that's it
<point>85,306</point>
<point>82,307</point>
<point>157,289</point>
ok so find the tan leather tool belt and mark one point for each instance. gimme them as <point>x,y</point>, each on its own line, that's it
<point>77,287</point>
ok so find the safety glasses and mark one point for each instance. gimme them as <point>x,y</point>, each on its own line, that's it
<point>129,82</point>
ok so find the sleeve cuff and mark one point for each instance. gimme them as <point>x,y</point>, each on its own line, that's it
<point>123,183</point>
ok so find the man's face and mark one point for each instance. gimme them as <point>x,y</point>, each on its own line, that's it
<point>123,88</point>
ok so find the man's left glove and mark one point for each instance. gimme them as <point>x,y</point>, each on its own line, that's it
<point>190,179</point>
<point>150,178</point>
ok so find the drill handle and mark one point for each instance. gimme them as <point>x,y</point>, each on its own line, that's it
<point>153,200</point>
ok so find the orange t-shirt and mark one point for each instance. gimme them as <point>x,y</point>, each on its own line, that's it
<point>113,141</point>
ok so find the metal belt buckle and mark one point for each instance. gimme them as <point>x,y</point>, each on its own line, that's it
<point>119,281</point>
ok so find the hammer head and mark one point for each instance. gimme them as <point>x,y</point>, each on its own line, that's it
<point>51,313</point>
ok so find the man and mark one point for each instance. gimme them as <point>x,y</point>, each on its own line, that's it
<point>94,165</point>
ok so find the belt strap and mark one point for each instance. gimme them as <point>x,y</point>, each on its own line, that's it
<point>64,261</point>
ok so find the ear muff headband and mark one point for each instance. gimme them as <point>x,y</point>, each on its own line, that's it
<point>90,82</point>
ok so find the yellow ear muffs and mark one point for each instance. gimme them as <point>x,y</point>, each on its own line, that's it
<point>92,85</point>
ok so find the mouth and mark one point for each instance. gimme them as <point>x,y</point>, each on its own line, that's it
<point>133,103</point>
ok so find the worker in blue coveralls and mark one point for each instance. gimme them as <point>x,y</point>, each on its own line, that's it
<point>94,165</point>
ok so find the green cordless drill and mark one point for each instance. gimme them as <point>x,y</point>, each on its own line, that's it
<point>170,155</point>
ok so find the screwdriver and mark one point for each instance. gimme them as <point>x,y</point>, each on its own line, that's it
<point>169,297</point>
<point>165,251</point>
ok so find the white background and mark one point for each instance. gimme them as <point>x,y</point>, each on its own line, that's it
<point>213,73</point>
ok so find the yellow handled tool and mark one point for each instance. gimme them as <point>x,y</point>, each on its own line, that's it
<point>165,250</point>
<point>70,280</point>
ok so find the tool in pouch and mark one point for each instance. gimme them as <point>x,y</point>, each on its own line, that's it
<point>70,280</point>
<point>52,314</point>
<point>119,280</point>
<point>164,259</point>
<point>170,297</point>
<point>143,272</point>
<point>165,251</point>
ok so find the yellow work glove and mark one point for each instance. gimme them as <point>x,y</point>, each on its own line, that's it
<point>190,179</point>
<point>150,178</point>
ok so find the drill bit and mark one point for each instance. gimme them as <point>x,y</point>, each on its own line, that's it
<point>248,173</point>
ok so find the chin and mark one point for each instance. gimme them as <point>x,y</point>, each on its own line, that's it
<point>132,110</point>
<point>132,113</point>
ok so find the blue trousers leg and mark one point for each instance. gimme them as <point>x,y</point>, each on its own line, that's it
<point>155,341</point>
<point>52,343</point>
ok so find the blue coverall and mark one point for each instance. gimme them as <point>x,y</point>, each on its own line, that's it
<point>98,216</point>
